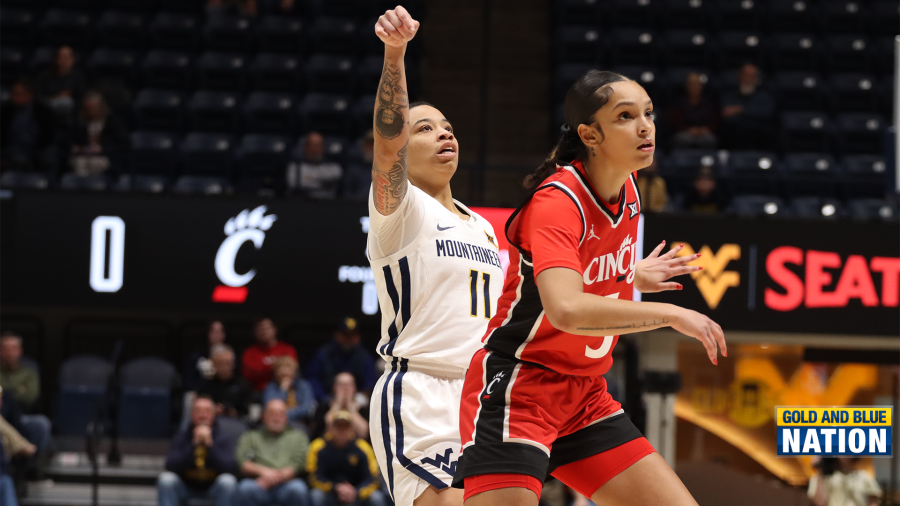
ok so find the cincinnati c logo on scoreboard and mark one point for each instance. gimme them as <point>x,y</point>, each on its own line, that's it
<point>246,226</point>
<point>713,281</point>
<point>833,431</point>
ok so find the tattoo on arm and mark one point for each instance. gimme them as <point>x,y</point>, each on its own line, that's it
<point>642,325</point>
<point>392,103</point>
<point>390,187</point>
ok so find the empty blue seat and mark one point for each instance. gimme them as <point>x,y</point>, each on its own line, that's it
<point>167,69</point>
<point>854,93</point>
<point>63,27</point>
<point>330,74</point>
<point>736,48</point>
<point>121,30</point>
<point>146,397</point>
<point>112,64</point>
<point>276,72</point>
<point>794,51</point>
<point>805,131</point>
<point>12,64</point>
<point>369,73</point>
<point>174,31</point>
<point>158,110</point>
<point>214,111</point>
<point>363,113</point>
<point>278,34</point>
<point>74,182</point>
<point>847,16</point>
<point>796,16</point>
<point>687,14</point>
<point>221,71</point>
<point>884,17</point>
<point>328,114</point>
<point>270,113</point>
<point>861,133</point>
<point>753,172</point>
<point>632,47</point>
<point>16,27</point>
<point>813,174</point>
<point>263,159</point>
<point>15,180</point>
<point>865,177</point>
<point>226,33</point>
<point>334,36</point>
<point>152,153</point>
<point>575,12</point>
<point>756,206</point>
<point>565,76</point>
<point>689,161</point>
<point>815,207</point>
<point>142,183</point>
<point>632,13</point>
<point>201,185</point>
<point>871,209</point>
<point>801,90</point>
<point>737,15</point>
<point>206,154</point>
<point>578,44</point>
<point>848,53</point>
<point>82,384</point>
<point>649,78</point>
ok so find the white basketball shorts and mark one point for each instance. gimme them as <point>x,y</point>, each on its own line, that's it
<point>414,425</point>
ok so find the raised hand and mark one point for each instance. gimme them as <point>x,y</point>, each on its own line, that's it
<point>396,27</point>
<point>651,274</point>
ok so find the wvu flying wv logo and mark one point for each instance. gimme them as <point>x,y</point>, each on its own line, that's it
<point>713,281</point>
<point>442,462</point>
<point>490,239</point>
<point>853,431</point>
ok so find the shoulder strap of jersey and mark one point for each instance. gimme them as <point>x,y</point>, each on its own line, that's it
<point>513,222</point>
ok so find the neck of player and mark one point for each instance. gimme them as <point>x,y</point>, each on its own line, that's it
<point>606,178</point>
<point>442,194</point>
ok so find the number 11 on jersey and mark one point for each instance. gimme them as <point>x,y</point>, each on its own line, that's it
<point>473,275</point>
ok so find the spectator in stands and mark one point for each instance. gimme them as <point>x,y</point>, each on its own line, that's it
<point>7,486</point>
<point>97,136</point>
<point>748,113</point>
<point>62,84</point>
<point>342,467</point>
<point>199,363</point>
<point>310,175</point>
<point>694,118</point>
<point>293,390</point>
<point>14,443</point>
<point>838,481</point>
<point>273,459</point>
<point>231,393</point>
<point>654,195</point>
<point>27,131</point>
<point>358,177</point>
<point>344,353</point>
<point>705,196</point>
<point>345,398</point>
<point>24,385</point>
<point>200,463</point>
<point>256,364</point>
<point>231,7</point>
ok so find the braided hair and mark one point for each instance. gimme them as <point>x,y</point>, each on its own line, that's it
<point>583,100</point>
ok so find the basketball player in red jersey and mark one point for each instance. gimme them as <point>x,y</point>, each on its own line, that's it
<point>535,401</point>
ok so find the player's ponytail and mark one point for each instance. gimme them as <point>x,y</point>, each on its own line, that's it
<point>583,100</point>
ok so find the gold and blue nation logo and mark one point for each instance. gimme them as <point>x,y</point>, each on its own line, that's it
<point>836,431</point>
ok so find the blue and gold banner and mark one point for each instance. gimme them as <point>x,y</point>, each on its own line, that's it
<point>834,431</point>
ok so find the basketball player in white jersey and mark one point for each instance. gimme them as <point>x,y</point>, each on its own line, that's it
<point>437,269</point>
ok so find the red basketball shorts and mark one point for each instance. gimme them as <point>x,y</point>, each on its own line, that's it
<point>518,419</point>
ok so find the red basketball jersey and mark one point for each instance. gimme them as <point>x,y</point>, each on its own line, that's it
<point>565,224</point>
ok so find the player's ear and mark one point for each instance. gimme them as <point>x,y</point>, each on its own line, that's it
<point>590,136</point>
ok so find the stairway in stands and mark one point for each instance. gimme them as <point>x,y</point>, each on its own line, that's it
<point>485,65</point>
<point>69,476</point>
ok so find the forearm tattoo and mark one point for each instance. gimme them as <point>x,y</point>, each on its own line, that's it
<point>392,103</point>
<point>642,325</point>
<point>389,188</point>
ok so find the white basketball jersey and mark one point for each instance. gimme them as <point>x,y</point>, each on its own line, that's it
<point>438,278</point>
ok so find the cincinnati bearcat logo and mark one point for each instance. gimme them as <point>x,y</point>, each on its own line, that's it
<point>713,281</point>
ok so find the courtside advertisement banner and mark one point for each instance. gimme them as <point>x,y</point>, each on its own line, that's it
<point>856,431</point>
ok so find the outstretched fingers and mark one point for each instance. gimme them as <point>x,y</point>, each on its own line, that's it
<point>672,252</point>
<point>657,250</point>
<point>719,336</point>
